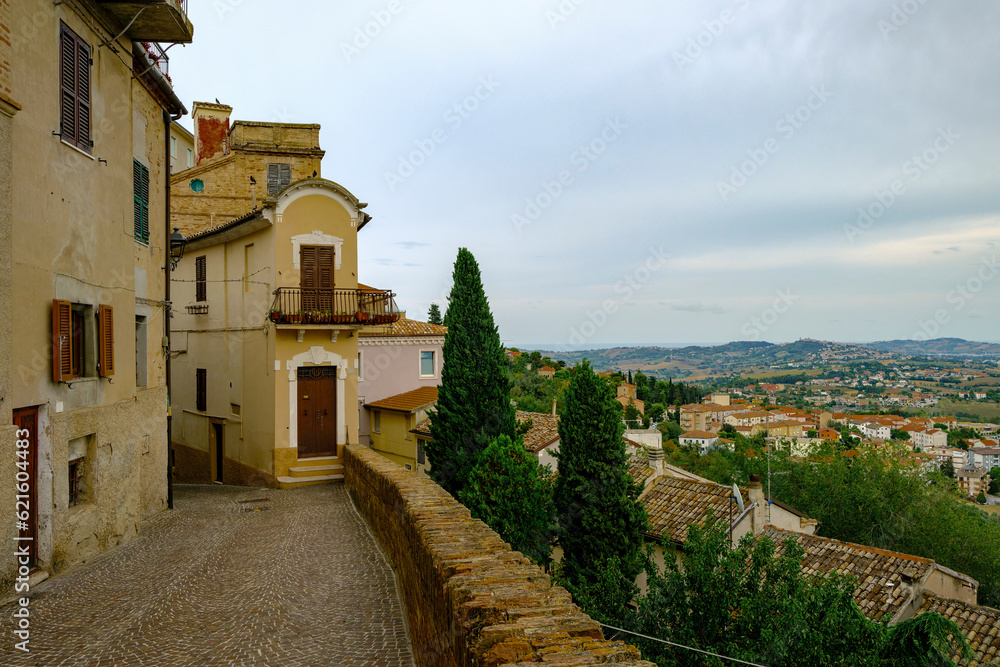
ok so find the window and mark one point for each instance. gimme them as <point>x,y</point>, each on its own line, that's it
<point>247,266</point>
<point>190,158</point>
<point>235,409</point>
<point>140,195</point>
<point>75,481</point>
<point>278,176</point>
<point>74,89</point>
<point>376,421</point>
<point>200,281</point>
<point>82,345</point>
<point>420,452</point>
<point>173,146</point>
<point>427,367</point>
<point>201,389</point>
<point>141,375</point>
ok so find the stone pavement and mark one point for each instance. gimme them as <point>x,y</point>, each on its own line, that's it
<point>231,576</point>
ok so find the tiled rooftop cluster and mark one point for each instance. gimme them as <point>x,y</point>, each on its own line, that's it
<point>470,599</point>
<point>981,626</point>
<point>673,504</point>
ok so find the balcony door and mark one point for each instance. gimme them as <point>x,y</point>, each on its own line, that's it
<point>316,277</point>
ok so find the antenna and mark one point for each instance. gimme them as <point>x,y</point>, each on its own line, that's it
<point>739,497</point>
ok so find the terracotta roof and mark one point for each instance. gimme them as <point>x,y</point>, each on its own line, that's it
<point>410,401</point>
<point>981,626</point>
<point>702,435</point>
<point>879,573</point>
<point>673,504</point>
<point>638,467</point>
<point>544,430</point>
<point>403,327</point>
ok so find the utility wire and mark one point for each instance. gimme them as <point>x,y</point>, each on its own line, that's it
<point>689,648</point>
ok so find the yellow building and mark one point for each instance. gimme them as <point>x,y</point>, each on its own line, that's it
<point>392,421</point>
<point>84,111</point>
<point>266,373</point>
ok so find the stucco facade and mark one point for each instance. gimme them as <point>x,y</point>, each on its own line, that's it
<point>254,354</point>
<point>69,234</point>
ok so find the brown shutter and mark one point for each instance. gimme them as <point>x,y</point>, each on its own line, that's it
<point>273,178</point>
<point>284,175</point>
<point>61,354</point>
<point>200,276</point>
<point>83,95</point>
<point>106,340</point>
<point>67,85</point>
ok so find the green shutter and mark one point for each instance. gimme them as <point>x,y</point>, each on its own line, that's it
<point>140,196</point>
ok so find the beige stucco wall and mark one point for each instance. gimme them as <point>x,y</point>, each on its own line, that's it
<point>940,582</point>
<point>233,343</point>
<point>72,238</point>
<point>395,442</point>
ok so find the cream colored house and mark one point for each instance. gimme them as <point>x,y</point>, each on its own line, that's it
<point>266,340</point>
<point>392,421</point>
<point>85,108</point>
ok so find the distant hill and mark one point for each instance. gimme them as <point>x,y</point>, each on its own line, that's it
<point>761,356</point>
<point>938,347</point>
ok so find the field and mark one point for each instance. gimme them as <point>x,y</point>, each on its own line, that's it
<point>984,410</point>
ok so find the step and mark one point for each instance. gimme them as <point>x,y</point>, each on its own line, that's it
<point>312,471</point>
<point>296,482</point>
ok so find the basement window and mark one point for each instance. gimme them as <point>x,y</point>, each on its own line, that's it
<point>75,481</point>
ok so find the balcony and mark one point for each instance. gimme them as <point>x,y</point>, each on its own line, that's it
<point>344,308</point>
<point>152,20</point>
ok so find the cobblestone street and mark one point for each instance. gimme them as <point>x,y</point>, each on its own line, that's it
<point>231,576</point>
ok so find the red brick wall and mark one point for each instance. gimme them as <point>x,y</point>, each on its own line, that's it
<point>210,133</point>
<point>470,599</point>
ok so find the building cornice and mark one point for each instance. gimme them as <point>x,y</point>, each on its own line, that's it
<point>390,341</point>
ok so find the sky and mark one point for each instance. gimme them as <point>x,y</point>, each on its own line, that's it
<point>647,173</point>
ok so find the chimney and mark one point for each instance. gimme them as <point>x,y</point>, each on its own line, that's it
<point>756,493</point>
<point>211,130</point>
<point>655,457</point>
<point>553,407</point>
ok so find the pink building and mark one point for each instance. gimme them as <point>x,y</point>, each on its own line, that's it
<point>396,359</point>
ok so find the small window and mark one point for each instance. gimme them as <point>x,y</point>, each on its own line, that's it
<point>427,367</point>
<point>200,278</point>
<point>376,421</point>
<point>201,389</point>
<point>278,176</point>
<point>173,146</point>
<point>75,481</point>
<point>420,452</point>
<point>235,409</point>
<point>197,185</point>
<point>140,195</point>
<point>82,341</point>
<point>74,90</point>
<point>191,161</point>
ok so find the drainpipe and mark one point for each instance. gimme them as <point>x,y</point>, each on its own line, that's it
<point>167,120</point>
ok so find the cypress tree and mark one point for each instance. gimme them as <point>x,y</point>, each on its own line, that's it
<point>434,314</point>
<point>600,521</point>
<point>474,396</point>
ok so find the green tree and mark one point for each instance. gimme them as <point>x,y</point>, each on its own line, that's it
<point>600,521</point>
<point>512,493</point>
<point>434,314</point>
<point>981,498</point>
<point>749,604</point>
<point>994,480</point>
<point>899,434</point>
<point>474,396</point>
<point>948,469</point>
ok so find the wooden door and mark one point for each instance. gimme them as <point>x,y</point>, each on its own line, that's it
<point>317,407</point>
<point>316,277</point>
<point>26,420</point>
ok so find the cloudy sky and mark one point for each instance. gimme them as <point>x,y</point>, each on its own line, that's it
<point>647,172</point>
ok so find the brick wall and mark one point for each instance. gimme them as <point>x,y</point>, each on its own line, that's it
<point>471,601</point>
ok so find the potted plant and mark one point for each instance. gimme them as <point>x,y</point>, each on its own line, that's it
<point>361,316</point>
<point>296,317</point>
<point>325,317</point>
<point>342,318</point>
<point>275,315</point>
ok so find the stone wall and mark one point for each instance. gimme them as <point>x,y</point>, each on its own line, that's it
<point>470,599</point>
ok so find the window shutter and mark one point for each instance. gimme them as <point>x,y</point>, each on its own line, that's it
<point>67,85</point>
<point>106,340</point>
<point>307,260</point>
<point>284,175</point>
<point>140,193</point>
<point>83,95</point>
<point>201,389</point>
<point>200,273</point>
<point>61,353</point>
<point>273,178</point>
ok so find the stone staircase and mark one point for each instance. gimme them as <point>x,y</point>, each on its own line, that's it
<point>308,472</point>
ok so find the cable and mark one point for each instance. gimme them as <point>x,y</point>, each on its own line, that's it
<point>689,648</point>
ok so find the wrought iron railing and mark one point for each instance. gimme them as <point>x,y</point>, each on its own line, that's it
<point>295,305</point>
<point>158,56</point>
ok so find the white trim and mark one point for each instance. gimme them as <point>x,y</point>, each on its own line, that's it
<point>315,356</point>
<point>317,238</point>
<point>364,339</point>
<point>329,189</point>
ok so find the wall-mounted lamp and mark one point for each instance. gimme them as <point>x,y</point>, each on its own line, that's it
<point>177,243</point>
